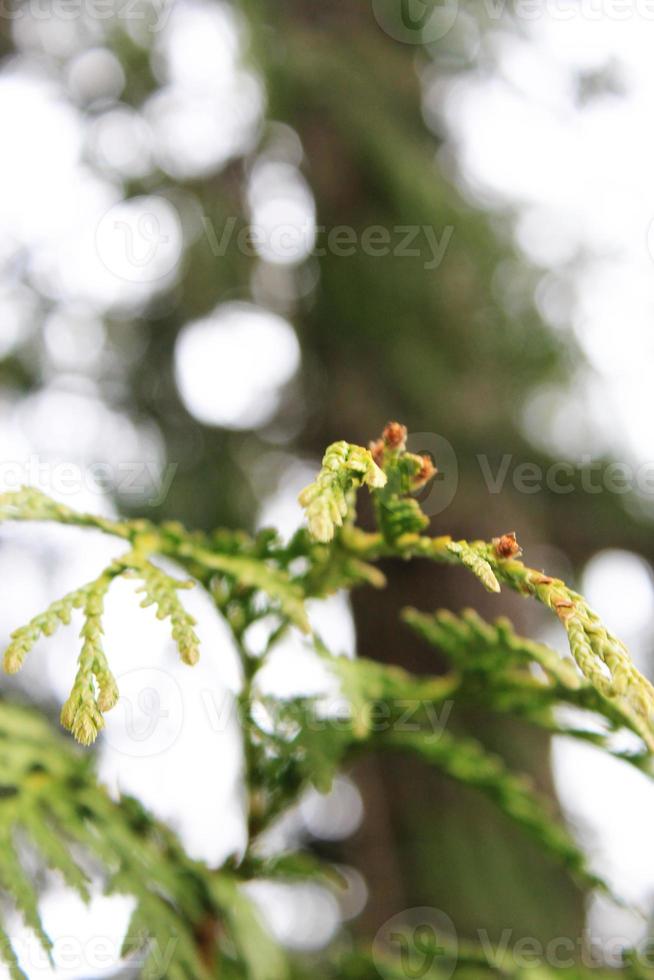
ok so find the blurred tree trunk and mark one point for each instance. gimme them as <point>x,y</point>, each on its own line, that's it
<point>384,337</point>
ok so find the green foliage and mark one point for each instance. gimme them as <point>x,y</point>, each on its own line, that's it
<point>397,512</point>
<point>476,563</point>
<point>94,690</point>
<point>492,657</point>
<point>374,691</point>
<point>273,582</point>
<point>50,795</point>
<point>466,760</point>
<point>344,469</point>
<point>52,807</point>
<point>161,591</point>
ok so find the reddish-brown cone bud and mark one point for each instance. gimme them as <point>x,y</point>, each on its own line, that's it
<point>426,472</point>
<point>507,546</point>
<point>394,435</point>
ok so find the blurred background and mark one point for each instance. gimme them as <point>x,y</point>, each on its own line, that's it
<point>234,232</point>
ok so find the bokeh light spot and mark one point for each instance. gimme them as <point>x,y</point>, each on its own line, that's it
<point>231,366</point>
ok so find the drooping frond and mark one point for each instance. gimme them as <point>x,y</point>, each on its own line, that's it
<point>245,567</point>
<point>160,590</point>
<point>50,800</point>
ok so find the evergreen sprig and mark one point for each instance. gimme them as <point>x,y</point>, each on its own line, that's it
<point>160,590</point>
<point>49,794</point>
<point>50,800</point>
<point>602,658</point>
<point>327,500</point>
<point>495,670</point>
<point>94,690</point>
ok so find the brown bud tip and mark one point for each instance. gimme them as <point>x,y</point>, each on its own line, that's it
<point>426,472</point>
<point>377,451</point>
<point>507,546</point>
<point>564,609</point>
<point>394,435</point>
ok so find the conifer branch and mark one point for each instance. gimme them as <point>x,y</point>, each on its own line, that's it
<point>327,500</point>
<point>382,692</point>
<point>50,794</point>
<point>50,797</point>
<point>601,657</point>
<point>252,573</point>
<point>30,504</point>
<point>160,590</point>
<point>493,664</point>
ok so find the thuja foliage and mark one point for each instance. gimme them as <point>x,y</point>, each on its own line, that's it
<point>194,921</point>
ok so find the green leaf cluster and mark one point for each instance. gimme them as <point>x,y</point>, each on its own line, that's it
<point>50,796</point>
